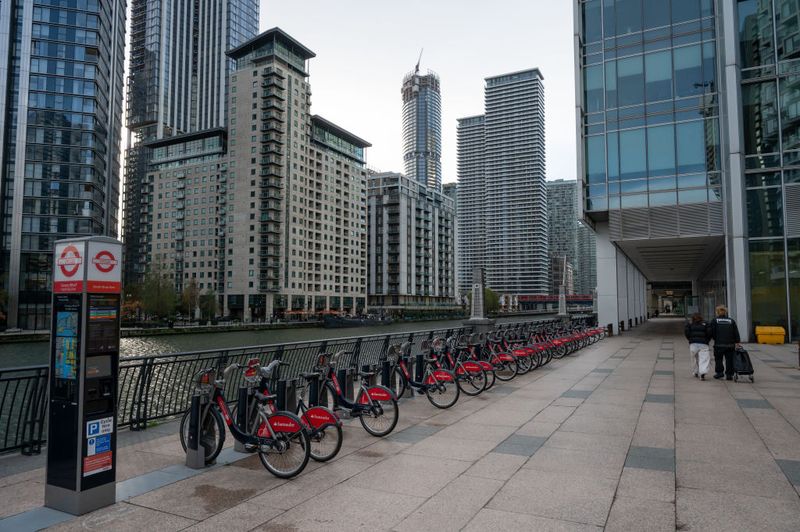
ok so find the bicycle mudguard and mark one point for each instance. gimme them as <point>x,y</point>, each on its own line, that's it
<point>485,365</point>
<point>441,375</point>
<point>376,393</point>
<point>521,352</point>
<point>281,422</point>
<point>506,357</point>
<point>319,416</point>
<point>472,367</point>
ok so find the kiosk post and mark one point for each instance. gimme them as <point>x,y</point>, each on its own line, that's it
<point>84,360</point>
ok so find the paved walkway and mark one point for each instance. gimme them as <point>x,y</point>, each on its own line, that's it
<point>619,436</point>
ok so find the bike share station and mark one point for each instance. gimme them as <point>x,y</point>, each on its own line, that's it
<point>84,360</point>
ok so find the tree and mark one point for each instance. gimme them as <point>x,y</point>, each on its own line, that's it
<point>491,300</point>
<point>158,294</point>
<point>208,304</point>
<point>189,298</point>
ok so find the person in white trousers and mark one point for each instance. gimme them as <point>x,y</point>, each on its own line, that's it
<point>698,334</point>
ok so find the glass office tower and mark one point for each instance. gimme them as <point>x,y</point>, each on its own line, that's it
<point>688,144</point>
<point>61,68</point>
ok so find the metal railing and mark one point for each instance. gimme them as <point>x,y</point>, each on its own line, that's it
<point>155,387</point>
<point>23,403</point>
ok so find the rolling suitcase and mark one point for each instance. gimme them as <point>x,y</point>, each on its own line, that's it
<point>742,367</point>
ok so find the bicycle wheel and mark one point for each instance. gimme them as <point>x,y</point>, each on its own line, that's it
<point>382,419</point>
<point>212,433</point>
<point>472,383</point>
<point>399,386</point>
<point>506,369</point>
<point>442,394</point>
<point>289,456</point>
<point>523,364</point>
<point>325,443</point>
<point>490,379</point>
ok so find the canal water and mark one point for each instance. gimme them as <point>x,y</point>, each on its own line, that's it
<point>25,354</point>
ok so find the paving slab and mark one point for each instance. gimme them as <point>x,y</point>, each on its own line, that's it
<point>346,507</point>
<point>582,498</point>
<point>489,519</point>
<point>630,513</point>
<point>452,507</point>
<point>715,511</point>
<point>648,484</point>
<point>655,458</point>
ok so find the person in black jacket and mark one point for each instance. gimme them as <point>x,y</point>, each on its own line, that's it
<point>725,334</point>
<point>698,334</point>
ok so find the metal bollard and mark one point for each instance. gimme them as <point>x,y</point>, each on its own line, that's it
<point>621,326</point>
<point>610,329</point>
<point>195,453</point>
<point>630,323</point>
<point>243,405</point>
<point>419,365</point>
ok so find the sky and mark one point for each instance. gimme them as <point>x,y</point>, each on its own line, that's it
<point>365,47</point>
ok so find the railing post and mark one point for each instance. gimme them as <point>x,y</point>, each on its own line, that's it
<point>34,416</point>
<point>139,404</point>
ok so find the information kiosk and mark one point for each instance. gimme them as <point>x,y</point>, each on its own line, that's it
<point>84,358</point>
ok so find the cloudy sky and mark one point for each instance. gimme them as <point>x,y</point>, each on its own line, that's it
<point>365,47</point>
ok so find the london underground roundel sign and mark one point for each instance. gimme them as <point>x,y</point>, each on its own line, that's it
<point>104,273</point>
<point>69,267</point>
<point>104,261</point>
<point>70,261</point>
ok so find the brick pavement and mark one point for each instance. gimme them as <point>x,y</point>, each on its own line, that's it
<point>617,437</point>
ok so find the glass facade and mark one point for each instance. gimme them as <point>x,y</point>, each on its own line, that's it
<point>651,124</point>
<point>650,104</point>
<point>769,47</point>
<point>61,118</point>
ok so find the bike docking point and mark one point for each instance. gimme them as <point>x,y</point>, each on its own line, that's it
<point>195,454</point>
<point>245,404</point>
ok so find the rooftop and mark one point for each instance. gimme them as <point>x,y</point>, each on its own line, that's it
<point>262,38</point>
<point>340,132</point>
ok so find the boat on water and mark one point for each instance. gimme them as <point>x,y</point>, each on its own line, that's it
<point>340,322</point>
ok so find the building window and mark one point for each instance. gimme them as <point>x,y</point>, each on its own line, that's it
<point>765,212</point>
<point>768,283</point>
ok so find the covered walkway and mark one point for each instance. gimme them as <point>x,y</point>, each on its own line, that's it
<point>619,436</point>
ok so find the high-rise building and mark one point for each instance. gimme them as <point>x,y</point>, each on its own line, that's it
<point>296,202</point>
<point>569,238</point>
<point>177,85</point>
<point>422,128</point>
<point>688,145</point>
<point>186,178</point>
<point>411,246</point>
<point>61,83</point>
<point>471,222</point>
<point>501,170</point>
<point>451,191</point>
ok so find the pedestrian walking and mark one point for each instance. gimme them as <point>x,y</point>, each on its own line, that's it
<point>698,333</point>
<point>725,334</point>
